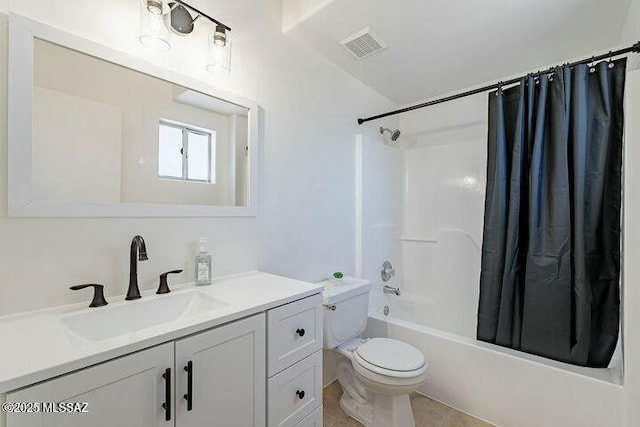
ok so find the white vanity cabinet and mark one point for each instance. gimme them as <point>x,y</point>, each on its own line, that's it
<point>228,385</point>
<point>294,364</point>
<point>128,391</point>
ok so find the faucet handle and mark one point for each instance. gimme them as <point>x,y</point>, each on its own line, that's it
<point>163,288</point>
<point>387,271</point>
<point>98,294</point>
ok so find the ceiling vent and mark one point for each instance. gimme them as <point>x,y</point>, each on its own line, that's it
<point>363,43</point>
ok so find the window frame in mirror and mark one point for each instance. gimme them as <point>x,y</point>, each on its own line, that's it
<point>22,35</point>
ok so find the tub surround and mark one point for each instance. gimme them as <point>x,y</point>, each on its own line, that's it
<point>38,346</point>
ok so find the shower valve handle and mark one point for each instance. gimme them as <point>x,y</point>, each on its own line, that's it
<point>387,271</point>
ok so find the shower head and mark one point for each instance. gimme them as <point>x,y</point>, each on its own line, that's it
<point>394,134</point>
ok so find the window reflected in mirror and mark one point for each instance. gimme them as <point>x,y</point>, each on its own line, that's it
<point>186,153</point>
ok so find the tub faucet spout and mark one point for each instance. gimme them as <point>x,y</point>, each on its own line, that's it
<point>391,290</point>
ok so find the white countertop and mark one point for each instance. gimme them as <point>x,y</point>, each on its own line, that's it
<point>36,346</point>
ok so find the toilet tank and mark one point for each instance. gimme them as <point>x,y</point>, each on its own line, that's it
<point>350,297</point>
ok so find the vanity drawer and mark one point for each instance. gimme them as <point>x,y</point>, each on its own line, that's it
<point>295,392</point>
<point>294,332</point>
<point>313,420</point>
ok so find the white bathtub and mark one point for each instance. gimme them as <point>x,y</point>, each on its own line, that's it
<point>502,386</point>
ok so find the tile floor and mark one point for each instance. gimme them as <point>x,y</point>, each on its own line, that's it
<point>427,412</point>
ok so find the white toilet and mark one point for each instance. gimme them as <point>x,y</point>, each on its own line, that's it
<point>376,374</point>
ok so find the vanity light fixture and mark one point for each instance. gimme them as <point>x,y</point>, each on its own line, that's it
<point>159,17</point>
<point>154,33</point>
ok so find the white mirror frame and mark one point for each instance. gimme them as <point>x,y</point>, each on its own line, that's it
<point>22,32</point>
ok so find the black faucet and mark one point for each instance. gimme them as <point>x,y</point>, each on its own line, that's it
<point>138,252</point>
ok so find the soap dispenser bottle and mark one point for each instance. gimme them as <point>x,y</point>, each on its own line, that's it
<point>203,264</point>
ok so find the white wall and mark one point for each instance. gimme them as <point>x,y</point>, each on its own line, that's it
<point>631,253</point>
<point>76,149</point>
<point>305,224</point>
<point>631,32</point>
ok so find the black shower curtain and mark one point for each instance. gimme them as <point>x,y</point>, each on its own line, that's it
<point>551,246</point>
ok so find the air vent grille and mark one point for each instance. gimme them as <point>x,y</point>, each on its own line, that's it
<point>363,43</point>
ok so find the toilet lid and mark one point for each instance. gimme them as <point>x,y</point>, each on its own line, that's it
<point>391,354</point>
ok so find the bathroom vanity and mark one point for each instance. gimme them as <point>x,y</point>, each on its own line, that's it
<point>245,351</point>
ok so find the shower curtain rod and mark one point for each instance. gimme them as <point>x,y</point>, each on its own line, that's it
<point>635,48</point>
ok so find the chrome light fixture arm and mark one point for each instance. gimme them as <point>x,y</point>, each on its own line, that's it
<point>204,15</point>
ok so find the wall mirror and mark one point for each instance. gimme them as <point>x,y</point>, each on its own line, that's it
<point>95,132</point>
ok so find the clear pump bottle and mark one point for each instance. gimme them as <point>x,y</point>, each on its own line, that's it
<point>203,264</point>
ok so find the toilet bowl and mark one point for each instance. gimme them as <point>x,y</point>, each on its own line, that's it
<point>376,374</point>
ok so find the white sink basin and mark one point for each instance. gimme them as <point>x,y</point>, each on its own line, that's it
<point>130,316</point>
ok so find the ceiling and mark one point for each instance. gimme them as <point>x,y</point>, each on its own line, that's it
<point>441,46</point>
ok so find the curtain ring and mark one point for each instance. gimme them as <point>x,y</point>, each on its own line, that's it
<point>499,91</point>
<point>610,60</point>
<point>611,64</point>
<point>592,68</point>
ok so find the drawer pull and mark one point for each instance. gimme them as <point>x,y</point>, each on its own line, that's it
<point>300,394</point>
<point>300,332</point>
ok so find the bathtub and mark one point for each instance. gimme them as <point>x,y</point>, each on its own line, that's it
<point>504,387</point>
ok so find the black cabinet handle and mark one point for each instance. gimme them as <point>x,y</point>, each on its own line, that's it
<point>189,395</point>
<point>167,394</point>
<point>300,394</point>
<point>300,332</point>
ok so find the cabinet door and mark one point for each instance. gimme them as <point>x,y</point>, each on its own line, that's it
<point>128,391</point>
<point>227,376</point>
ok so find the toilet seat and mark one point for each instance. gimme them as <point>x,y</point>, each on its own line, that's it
<point>386,360</point>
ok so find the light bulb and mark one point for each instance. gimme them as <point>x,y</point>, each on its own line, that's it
<point>220,35</point>
<point>154,6</point>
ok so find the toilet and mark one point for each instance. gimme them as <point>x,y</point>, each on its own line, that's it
<point>376,374</point>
